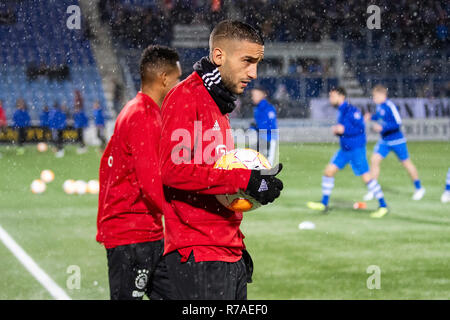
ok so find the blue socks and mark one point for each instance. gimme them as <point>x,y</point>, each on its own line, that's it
<point>375,188</point>
<point>417,184</point>
<point>327,186</point>
<point>372,185</point>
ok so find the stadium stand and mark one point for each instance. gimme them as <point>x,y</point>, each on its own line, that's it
<point>45,63</point>
<point>409,53</point>
<point>416,66</point>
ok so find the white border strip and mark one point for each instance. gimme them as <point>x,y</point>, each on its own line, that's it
<point>32,267</point>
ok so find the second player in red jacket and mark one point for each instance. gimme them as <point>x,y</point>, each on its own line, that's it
<point>129,221</point>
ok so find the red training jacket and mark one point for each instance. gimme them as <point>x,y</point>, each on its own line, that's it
<point>130,198</point>
<point>194,135</point>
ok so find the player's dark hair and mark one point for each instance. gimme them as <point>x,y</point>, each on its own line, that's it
<point>234,30</point>
<point>339,90</point>
<point>155,58</point>
<point>261,88</point>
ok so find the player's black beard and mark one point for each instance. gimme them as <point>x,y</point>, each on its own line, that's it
<point>212,81</point>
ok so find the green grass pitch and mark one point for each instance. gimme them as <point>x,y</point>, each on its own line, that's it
<point>411,245</point>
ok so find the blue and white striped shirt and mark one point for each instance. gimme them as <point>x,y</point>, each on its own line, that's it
<point>388,117</point>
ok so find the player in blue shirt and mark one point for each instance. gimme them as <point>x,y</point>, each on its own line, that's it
<point>446,195</point>
<point>44,118</point>
<point>58,122</point>
<point>80,122</point>
<point>265,116</point>
<point>22,121</point>
<point>388,124</point>
<point>351,131</point>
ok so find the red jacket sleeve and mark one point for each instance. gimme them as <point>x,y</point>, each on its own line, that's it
<point>143,140</point>
<point>178,117</point>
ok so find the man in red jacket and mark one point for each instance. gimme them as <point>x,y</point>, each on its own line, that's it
<point>131,196</point>
<point>204,248</point>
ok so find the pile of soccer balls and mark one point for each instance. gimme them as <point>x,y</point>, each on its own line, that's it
<point>40,185</point>
<point>70,186</point>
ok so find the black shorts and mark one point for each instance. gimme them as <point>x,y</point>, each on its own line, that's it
<point>80,139</point>
<point>131,268</point>
<point>22,135</point>
<point>206,280</point>
<point>58,138</point>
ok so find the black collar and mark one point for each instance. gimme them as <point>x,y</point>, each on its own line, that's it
<point>212,81</point>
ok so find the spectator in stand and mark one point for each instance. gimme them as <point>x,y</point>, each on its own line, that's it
<point>22,121</point>
<point>45,122</point>
<point>58,122</point>
<point>80,122</point>
<point>99,119</point>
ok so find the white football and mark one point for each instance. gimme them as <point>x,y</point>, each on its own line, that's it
<point>42,147</point>
<point>93,186</point>
<point>38,186</point>
<point>47,176</point>
<point>80,187</point>
<point>69,186</point>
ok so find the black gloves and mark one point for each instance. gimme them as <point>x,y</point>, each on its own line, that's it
<point>263,186</point>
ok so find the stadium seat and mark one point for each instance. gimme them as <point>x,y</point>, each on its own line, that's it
<point>62,46</point>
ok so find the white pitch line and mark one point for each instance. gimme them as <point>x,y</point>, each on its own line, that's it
<point>32,267</point>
